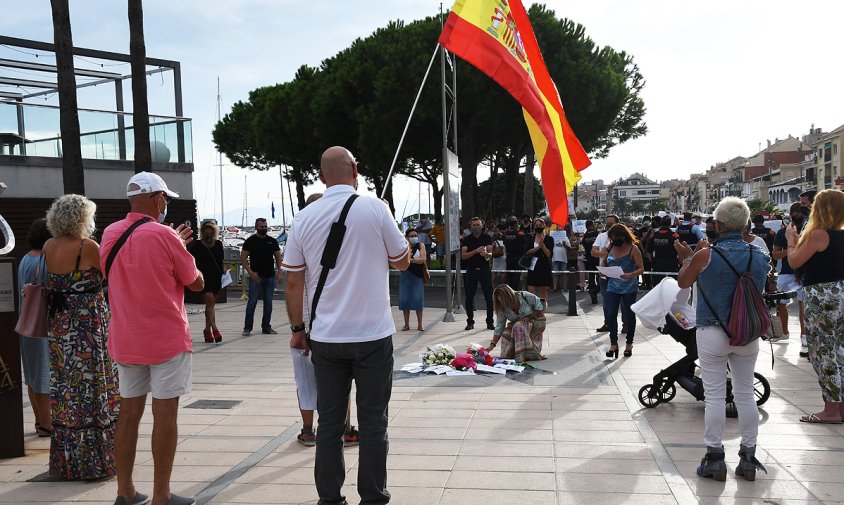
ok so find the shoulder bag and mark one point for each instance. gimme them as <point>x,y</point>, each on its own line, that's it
<point>122,240</point>
<point>225,274</point>
<point>330,253</point>
<point>33,319</point>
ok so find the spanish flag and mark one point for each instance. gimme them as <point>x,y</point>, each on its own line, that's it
<point>496,37</point>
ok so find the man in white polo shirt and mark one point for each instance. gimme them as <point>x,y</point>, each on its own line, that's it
<point>351,333</point>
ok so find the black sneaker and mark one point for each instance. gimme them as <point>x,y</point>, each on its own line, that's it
<point>269,331</point>
<point>490,326</point>
<point>470,326</point>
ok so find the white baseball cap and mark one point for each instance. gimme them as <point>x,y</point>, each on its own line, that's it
<point>148,182</point>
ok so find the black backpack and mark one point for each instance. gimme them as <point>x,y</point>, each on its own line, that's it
<point>684,231</point>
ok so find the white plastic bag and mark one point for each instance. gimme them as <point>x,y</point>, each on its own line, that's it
<point>666,297</point>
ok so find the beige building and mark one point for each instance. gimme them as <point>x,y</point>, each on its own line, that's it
<point>827,153</point>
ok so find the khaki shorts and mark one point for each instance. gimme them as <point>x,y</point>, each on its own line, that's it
<point>165,380</point>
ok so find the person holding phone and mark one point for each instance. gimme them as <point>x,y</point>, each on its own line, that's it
<point>786,279</point>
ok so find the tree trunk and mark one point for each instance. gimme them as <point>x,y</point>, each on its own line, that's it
<point>300,193</point>
<point>493,175</point>
<point>438,200</point>
<point>530,162</point>
<point>73,174</point>
<point>140,107</point>
<point>511,177</point>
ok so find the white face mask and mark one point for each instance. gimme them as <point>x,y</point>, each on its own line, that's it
<point>413,240</point>
<point>163,214</point>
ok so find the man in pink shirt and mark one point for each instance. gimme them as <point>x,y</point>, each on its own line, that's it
<point>149,337</point>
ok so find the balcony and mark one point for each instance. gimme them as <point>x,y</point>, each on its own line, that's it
<point>32,130</point>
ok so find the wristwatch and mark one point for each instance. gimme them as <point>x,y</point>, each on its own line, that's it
<point>297,328</point>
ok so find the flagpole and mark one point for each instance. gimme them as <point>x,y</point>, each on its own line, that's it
<point>449,314</point>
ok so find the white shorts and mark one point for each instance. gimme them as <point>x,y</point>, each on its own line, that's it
<point>788,282</point>
<point>165,380</point>
<point>303,371</point>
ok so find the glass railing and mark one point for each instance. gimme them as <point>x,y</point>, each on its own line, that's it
<point>105,135</point>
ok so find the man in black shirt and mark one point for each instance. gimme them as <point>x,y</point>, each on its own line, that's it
<point>661,248</point>
<point>475,254</point>
<point>259,257</point>
<point>514,246</point>
<point>760,230</point>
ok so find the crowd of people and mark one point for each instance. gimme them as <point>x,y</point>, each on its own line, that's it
<point>88,382</point>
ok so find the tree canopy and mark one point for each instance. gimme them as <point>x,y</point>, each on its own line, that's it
<point>361,97</point>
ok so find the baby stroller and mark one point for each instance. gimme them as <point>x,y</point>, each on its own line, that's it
<point>666,309</point>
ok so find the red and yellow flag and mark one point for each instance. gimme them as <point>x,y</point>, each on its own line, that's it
<point>496,37</point>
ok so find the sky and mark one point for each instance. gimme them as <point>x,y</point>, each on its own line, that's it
<point>722,77</point>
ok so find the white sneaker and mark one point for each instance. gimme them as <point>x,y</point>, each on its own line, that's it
<point>779,339</point>
<point>804,347</point>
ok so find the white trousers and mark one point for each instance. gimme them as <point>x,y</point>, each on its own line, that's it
<point>715,353</point>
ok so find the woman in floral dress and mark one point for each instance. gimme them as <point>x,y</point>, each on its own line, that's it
<point>83,379</point>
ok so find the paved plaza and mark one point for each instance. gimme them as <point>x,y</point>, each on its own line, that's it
<point>571,431</point>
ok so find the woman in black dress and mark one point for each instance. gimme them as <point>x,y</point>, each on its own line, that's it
<point>208,252</point>
<point>541,247</point>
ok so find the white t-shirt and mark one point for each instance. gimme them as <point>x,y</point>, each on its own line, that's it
<point>560,253</point>
<point>760,243</point>
<point>500,263</point>
<point>355,303</point>
<point>601,241</point>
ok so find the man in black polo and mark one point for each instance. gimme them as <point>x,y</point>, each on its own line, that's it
<point>475,254</point>
<point>514,247</point>
<point>259,257</point>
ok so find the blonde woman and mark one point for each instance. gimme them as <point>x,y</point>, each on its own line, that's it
<point>819,252</point>
<point>520,323</point>
<point>208,253</point>
<point>83,380</point>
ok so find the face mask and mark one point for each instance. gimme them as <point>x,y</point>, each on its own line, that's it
<point>413,240</point>
<point>646,223</point>
<point>476,230</point>
<point>261,232</point>
<point>711,234</point>
<point>208,235</point>
<point>539,227</point>
<point>618,242</point>
<point>797,220</point>
<point>513,224</point>
<point>162,215</point>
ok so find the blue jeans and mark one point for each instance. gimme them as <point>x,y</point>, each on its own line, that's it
<point>370,364</point>
<point>264,288</point>
<point>611,305</point>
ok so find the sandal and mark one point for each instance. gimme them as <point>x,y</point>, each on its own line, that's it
<point>405,328</point>
<point>814,419</point>
<point>420,328</point>
<point>42,432</point>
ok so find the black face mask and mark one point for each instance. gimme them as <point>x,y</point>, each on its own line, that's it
<point>618,242</point>
<point>539,228</point>
<point>797,219</point>
<point>261,232</point>
<point>711,234</point>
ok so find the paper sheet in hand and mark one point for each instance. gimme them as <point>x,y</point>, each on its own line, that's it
<point>490,369</point>
<point>614,272</point>
<point>533,262</point>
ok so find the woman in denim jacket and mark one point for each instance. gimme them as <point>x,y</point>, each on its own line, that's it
<point>715,278</point>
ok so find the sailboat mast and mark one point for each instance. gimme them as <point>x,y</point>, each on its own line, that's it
<point>220,165</point>
<point>243,216</point>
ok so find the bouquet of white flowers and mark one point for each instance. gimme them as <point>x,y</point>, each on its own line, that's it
<point>439,354</point>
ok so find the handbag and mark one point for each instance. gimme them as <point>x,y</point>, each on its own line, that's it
<point>225,275</point>
<point>497,249</point>
<point>33,319</point>
<point>526,261</point>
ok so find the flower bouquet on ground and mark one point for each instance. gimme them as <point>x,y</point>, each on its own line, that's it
<point>439,354</point>
<point>464,362</point>
<point>481,355</point>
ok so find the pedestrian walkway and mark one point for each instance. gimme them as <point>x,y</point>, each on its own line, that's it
<point>572,431</point>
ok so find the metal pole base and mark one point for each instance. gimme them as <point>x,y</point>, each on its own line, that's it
<point>448,317</point>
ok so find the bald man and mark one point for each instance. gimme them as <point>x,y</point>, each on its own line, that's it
<point>352,325</point>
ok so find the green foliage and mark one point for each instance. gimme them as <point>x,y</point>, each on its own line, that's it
<point>656,205</point>
<point>758,205</point>
<point>499,205</point>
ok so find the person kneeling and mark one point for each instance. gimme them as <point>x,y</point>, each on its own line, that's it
<point>520,323</point>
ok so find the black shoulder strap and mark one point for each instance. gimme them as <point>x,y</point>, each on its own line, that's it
<point>329,254</point>
<point>122,240</point>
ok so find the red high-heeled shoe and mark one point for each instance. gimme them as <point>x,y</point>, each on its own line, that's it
<point>217,337</point>
<point>208,338</point>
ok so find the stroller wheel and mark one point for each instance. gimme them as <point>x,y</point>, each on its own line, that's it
<point>645,397</point>
<point>761,388</point>
<point>670,394</point>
